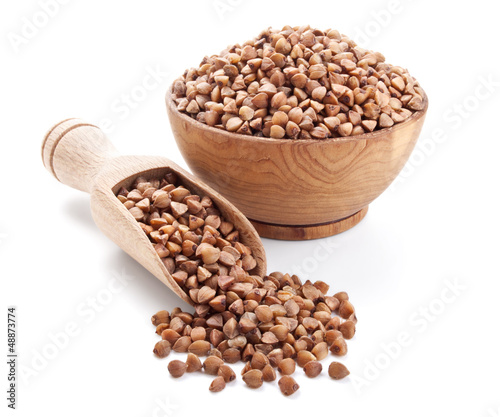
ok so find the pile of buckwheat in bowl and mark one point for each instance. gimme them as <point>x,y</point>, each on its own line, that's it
<point>298,83</point>
<point>271,322</point>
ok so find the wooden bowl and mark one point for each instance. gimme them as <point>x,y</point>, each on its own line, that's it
<point>296,189</point>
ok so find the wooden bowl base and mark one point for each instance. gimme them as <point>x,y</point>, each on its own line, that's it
<point>308,232</point>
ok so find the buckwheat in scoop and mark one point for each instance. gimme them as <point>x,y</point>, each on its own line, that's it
<point>272,323</point>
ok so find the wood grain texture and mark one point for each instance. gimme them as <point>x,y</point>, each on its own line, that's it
<point>308,232</point>
<point>73,162</point>
<point>81,156</point>
<point>295,182</point>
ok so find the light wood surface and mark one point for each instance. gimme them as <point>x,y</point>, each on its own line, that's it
<point>298,183</point>
<point>79,155</point>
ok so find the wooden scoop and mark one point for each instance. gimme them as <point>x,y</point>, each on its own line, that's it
<point>80,155</point>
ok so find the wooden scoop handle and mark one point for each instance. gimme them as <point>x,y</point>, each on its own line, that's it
<point>74,151</point>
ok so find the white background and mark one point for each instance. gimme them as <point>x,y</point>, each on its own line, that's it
<point>436,227</point>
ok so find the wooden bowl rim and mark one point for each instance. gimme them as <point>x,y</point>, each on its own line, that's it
<point>379,134</point>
